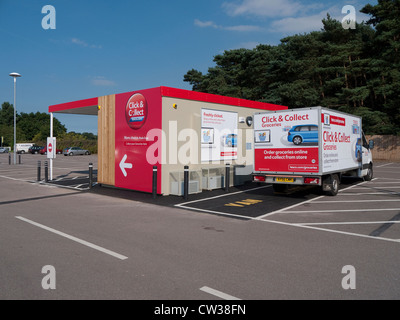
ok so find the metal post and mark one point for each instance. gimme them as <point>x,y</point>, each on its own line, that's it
<point>38,171</point>
<point>227,176</point>
<point>90,175</point>
<point>15,121</point>
<point>55,150</point>
<point>46,171</point>
<point>186,182</point>
<point>19,159</point>
<point>154,182</point>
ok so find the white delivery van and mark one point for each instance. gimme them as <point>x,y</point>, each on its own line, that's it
<point>310,146</point>
<point>23,147</point>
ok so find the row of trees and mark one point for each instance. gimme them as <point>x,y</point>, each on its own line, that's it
<point>35,128</point>
<point>354,70</point>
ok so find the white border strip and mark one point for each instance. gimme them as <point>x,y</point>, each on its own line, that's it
<point>85,243</point>
<point>344,210</point>
<point>343,223</point>
<point>219,294</point>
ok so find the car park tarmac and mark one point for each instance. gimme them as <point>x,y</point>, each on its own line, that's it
<point>250,243</point>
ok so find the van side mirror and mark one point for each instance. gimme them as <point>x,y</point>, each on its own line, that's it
<point>371,144</point>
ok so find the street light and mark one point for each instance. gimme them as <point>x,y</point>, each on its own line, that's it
<point>15,76</point>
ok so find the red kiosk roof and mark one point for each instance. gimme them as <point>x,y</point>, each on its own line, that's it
<point>89,106</point>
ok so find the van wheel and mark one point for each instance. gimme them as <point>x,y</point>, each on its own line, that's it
<point>370,173</point>
<point>297,140</point>
<point>331,185</point>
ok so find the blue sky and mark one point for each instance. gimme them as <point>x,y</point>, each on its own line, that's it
<point>104,47</point>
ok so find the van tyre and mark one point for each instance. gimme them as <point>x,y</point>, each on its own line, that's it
<point>333,183</point>
<point>370,173</point>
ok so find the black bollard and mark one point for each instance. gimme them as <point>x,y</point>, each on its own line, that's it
<point>38,171</point>
<point>19,159</point>
<point>227,176</point>
<point>90,175</point>
<point>46,171</point>
<point>9,159</point>
<point>154,182</point>
<point>186,183</point>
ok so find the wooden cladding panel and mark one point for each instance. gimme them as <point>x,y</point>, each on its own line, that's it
<point>106,140</point>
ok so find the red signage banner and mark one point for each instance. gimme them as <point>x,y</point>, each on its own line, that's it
<point>287,160</point>
<point>136,113</point>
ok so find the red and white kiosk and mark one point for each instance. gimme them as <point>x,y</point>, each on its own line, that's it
<point>169,128</point>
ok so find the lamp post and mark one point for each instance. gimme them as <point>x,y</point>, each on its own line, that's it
<point>15,76</point>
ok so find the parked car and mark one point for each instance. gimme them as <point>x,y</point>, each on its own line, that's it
<point>44,151</point>
<point>3,150</point>
<point>35,149</point>
<point>23,147</point>
<point>73,151</point>
<point>303,133</point>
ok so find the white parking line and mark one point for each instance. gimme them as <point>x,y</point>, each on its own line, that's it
<point>351,201</point>
<point>384,165</point>
<point>286,208</point>
<point>218,294</point>
<point>216,212</point>
<point>344,210</point>
<point>333,231</point>
<point>375,187</point>
<point>369,193</point>
<point>15,179</point>
<point>220,196</point>
<point>389,179</point>
<point>304,202</point>
<point>85,243</point>
<point>343,223</point>
<point>386,182</point>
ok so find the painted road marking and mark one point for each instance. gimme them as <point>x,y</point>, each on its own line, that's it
<point>305,202</point>
<point>218,294</point>
<point>375,187</point>
<point>15,179</point>
<point>333,231</point>
<point>344,210</point>
<point>383,165</point>
<point>243,203</point>
<point>344,223</point>
<point>383,192</point>
<point>351,201</point>
<point>83,242</point>
<point>220,196</point>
